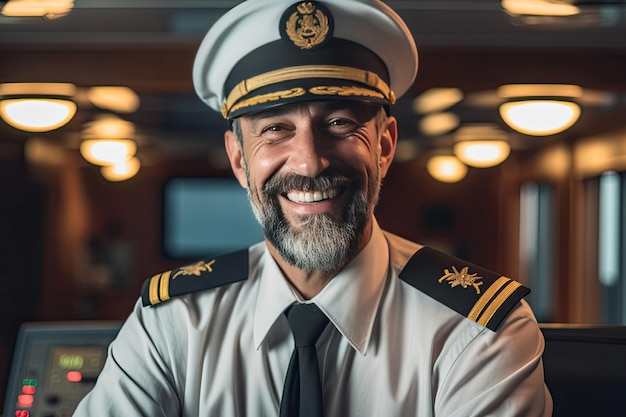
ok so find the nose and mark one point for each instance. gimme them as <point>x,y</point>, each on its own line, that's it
<point>309,154</point>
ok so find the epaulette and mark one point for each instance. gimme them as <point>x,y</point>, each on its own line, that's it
<point>203,275</point>
<point>477,293</point>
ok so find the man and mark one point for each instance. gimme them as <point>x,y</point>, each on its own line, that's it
<point>403,330</point>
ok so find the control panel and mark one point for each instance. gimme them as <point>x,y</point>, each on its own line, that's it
<point>55,364</point>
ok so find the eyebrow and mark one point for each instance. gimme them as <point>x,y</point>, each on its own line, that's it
<point>255,118</point>
<point>327,106</point>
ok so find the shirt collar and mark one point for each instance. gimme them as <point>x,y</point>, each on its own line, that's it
<point>350,299</point>
<point>275,295</point>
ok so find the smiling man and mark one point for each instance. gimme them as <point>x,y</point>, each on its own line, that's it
<point>330,315</point>
<point>313,172</point>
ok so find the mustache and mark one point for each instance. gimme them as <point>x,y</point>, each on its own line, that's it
<point>282,183</point>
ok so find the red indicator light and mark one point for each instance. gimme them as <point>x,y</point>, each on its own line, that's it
<point>22,413</point>
<point>74,376</point>
<point>28,389</point>
<point>25,400</point>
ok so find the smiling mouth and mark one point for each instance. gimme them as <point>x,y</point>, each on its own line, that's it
<point>311,196</point>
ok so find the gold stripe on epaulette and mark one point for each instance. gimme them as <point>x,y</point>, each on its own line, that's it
<point>164,288</point>
<point>497,303</point>
<point>154,289</point>
<point>474,313</point>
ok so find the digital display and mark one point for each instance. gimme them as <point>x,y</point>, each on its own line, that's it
<point>86,359</point>
<point>71,361</point>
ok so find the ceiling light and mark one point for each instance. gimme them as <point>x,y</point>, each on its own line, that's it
<point>37,114</point>
<point>481,145</point>
<point>108,127</point>
<point>33,8</point>
<point>108,140</point>
<point>514,91</point>
<point>37,107</point>
<point>107,151</point>
<point>446,168</point>
<point>539,8</point>
<point>121,171</point>
<point>436,124</point>
<point>540,117</point>
<point>437,99</point>
<point>540,109</point>
<point>482,153</point>
<point>117,99</point>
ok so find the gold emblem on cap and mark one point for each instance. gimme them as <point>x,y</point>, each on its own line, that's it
<point>308,26</point>
<point>462,278</point>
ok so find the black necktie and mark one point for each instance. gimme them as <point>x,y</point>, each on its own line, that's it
<point>302,394</point>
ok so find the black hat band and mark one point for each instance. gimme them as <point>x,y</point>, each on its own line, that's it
<point>380,88</point>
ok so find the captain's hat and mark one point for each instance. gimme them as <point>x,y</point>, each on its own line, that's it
<point>264,53</point>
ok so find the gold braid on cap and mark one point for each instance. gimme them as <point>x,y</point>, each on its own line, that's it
<point>306,71</point>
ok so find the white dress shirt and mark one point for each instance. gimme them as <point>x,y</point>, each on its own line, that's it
<point>389,350</point>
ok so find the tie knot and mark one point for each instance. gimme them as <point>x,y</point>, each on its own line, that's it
<point>307,323</point>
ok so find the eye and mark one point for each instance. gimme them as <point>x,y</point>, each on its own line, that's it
<point>341,127</point>
<point>339,122</point>
<point>274,132</point>
<point>342,124</point>
<point>273,128</point>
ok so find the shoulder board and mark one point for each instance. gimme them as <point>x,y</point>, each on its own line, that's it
<point>203,275</point>
<point>474,292</point>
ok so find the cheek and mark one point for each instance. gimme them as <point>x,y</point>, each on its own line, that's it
<point>362,150</point>
<point>267,165</point>
<point>364,160</point>
<point>261,166</point>
<point>267,159</point>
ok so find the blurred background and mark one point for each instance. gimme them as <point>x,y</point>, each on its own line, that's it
<point>132,178</point>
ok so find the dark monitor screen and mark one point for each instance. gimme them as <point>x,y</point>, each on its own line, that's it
<point>207,216</point>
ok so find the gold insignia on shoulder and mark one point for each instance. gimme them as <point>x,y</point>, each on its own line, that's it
<point>462,278</point>
<point>195,269</point>
<point>308,26</point>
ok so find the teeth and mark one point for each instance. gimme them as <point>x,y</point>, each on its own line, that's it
<point>311,196</point>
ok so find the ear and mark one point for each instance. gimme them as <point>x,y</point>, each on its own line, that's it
<point>235,156</point>
<point>388,142</point>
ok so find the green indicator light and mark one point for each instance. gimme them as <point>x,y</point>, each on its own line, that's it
<point>29,382</point>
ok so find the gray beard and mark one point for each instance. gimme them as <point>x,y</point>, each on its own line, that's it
<point>322,242</point>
